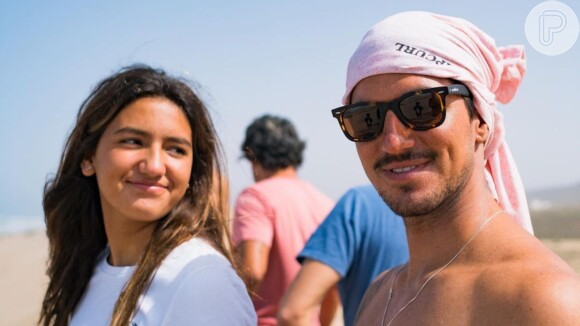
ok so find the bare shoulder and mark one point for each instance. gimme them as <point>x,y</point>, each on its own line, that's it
<point>548,294</point>
<point>532,287</point>
<point>553,298</point>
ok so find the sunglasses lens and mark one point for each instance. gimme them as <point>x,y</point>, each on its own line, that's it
<point>418,111</point>
<point>362,122</point>
<point>423,111</point>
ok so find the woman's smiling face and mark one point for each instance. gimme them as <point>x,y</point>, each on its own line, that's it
<point>143,162</point>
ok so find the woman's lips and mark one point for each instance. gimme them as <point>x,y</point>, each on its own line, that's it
<point>148,186</point>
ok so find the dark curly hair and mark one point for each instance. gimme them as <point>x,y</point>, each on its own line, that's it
<point>273,143</point>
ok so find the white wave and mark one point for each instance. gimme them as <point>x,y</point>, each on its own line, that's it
<point>15,224</point>
<point>540,205</point>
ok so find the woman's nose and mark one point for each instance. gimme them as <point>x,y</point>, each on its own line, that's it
<point>153,163</point>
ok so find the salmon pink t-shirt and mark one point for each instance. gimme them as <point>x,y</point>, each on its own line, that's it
<point>282,213</point>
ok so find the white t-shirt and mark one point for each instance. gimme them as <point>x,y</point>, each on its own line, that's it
<point>195,285</point>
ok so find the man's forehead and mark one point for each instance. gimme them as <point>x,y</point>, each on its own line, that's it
<point>386,87</point>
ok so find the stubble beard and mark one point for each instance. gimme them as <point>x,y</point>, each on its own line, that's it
<point>436,199</point>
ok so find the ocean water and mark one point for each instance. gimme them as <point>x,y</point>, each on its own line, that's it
<point>16,224</point>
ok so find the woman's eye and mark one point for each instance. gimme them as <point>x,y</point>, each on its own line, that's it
<point>178,150</point>
<point>131,141</point>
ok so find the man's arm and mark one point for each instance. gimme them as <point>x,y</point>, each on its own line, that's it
<point>329,308</point>
<point>252,256</point>
<point>306,294</point>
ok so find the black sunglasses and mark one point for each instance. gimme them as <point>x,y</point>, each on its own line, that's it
<point>418,110</point>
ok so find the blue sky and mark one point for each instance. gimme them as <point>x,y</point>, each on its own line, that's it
<point>249,58</point>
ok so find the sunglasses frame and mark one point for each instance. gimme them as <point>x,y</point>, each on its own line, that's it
<point>394,105</point>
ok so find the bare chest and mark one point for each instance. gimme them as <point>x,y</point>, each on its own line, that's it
<point>458,301</point>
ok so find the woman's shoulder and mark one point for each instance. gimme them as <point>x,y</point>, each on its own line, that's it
<point>193,255</point>
<point>194,247</point>
<point>194,263</point>
<point>196,285</point>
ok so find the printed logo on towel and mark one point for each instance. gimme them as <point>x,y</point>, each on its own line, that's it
<point>552,28</point>
<point>420,53</point>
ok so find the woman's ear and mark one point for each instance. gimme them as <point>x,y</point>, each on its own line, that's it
<point>87,168</point>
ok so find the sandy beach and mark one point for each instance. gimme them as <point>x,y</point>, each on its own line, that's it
<point>23,280</point>
<point>22,277</point>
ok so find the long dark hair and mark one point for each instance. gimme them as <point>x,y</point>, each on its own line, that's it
<point>72,206</point>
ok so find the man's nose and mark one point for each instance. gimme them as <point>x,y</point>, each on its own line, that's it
<point>396,137</point>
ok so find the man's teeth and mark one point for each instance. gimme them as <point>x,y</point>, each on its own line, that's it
<point>405,169</point>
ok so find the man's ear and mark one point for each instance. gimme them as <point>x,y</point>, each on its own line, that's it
<point>481,131</point>
<point>87,167</point>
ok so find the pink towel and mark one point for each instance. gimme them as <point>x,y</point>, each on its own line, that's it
<point>447,47</point>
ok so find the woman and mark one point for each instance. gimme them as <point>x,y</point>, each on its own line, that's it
<point>136,222</point>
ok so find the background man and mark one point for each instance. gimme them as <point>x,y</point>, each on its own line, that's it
<point>358,240</point>
<point>275,216</point>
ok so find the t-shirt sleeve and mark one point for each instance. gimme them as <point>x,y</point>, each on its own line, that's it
<point>213,295</point>
<point>253,218</point>
<point>335,241</point>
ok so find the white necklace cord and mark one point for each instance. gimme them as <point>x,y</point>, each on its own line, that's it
<point>434,274</point>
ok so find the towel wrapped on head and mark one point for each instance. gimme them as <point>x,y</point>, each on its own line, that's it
<point>434,45</point>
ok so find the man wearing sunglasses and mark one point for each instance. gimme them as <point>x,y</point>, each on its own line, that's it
<point>420,107</point>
